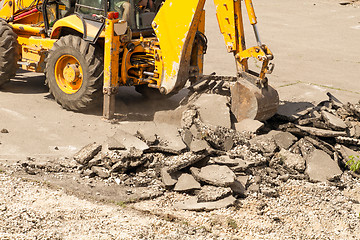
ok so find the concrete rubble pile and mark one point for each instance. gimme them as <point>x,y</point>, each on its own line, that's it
<point>199,149</point>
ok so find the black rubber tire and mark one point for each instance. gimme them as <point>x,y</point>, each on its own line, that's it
<point>151,93</point>
<point>9,52</point>
<point>90,58</point>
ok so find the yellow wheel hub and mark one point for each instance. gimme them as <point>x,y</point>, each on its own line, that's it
<point>68,74</point>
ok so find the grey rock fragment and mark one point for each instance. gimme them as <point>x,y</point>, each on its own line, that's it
<point>225,160</point>
<point>270,192</point>
<point>243,165</point>
<point>126,160</point>
<point>346,153</point>
<point>228,144</point>
<point>334,100</point>
<point>172,117</point>
<point>284,177</point>
<point>3,208</point>
<point>88,173</point>
<point>320,144</point>
<point>243,180</point>
<point>4,130</point>
<point>113,144</point>
<point>87,153</point>
<point>320,167</point>
<point>195,132</point>
<point>254,187</point>
<point>238,188</point>
<point>293,110</point>
<point>193,205</point>
<point>283,139</point>
<point>305,147</point>
<point>170,139</point>
<point>186,182</point>
<point>129,141</point>
<point>184,160</point>
<point>321,132</point>
<point>205,105</point>
<point>292,161</point>
<point>249,125</point>
<point>199,145</point>
<point>307,121</point>
<point>95,161</point>
<point>187,118</point>
<point>167,178</point>
<point>187,137</point>
<point>263,143</point>
<point>216,175</point>
<point>210,193</point>
<point>347,140</point>
<point>333,121</point>
<point>357,131</point>
<point>148,136</point>
<point>101,172</point>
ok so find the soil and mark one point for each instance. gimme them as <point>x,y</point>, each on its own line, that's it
<point>313,43</point>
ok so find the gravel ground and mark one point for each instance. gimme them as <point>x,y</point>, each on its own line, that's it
<point>30,210</point>
<point>304,210</point>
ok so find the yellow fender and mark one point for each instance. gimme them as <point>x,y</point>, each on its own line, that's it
<point>74,22</point>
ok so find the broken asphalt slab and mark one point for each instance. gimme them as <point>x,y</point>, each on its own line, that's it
<point>129,141</point>
<point>193,205</point>
<point>292,160</point>
<point>333,121</point>
<point>321,132</point>
<point>320,167</point>
<point>209,193</point>
<point>248,125</point>
<point>207,104</point>
<point>293,110</point>
<point>87,153</point>
<point>186,182</point>
<point>216,175</point>
<point>169,139</point>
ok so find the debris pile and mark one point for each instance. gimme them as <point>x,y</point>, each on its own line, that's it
<point>201,150</point>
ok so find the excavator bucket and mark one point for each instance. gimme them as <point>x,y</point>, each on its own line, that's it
<point>251,101</point>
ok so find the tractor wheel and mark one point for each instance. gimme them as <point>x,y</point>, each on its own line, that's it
<point>74,72</point>
<point>9,52</point>
<point>151,93</point>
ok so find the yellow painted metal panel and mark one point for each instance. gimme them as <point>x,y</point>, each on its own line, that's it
<point>75,23</point>
<point>36,42</point>
<point>175,26</point>
<point>24,29</point>
<point>251,12</point>
<point>226,19</point>
<point>111,55</point>
<point>6,9</point>
<point>34,51</point>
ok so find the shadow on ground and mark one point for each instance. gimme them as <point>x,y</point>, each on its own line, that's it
<point>24,83</point>
<point>132,106</point>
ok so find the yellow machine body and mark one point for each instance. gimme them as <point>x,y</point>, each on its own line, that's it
<point>164,58</point>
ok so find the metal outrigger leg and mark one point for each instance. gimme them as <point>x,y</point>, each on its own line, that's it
<point>111,68</point>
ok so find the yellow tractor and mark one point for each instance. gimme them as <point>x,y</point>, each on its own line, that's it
<point>88,48</point>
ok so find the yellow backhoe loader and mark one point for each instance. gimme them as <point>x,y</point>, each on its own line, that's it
<point>86,49</point>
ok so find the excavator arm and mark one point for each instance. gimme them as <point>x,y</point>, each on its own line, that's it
<point>252,97</point>
<point>230,21</point>
<point>176,25</point>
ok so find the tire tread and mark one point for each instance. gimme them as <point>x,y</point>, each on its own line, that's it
<point>94,79</point>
